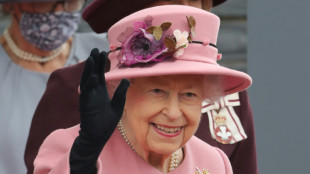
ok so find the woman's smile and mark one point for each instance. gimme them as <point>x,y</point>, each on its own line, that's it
<point>167,131</point>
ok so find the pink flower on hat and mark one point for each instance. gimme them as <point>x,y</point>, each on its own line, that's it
<point>181,41</point>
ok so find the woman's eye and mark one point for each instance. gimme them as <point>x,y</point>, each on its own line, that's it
<point>157,91</point>
<point>191,98</point>
<point>189,94</point>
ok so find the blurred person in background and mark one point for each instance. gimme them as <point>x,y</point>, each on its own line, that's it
<point>227,123</point>
<point>39,39</point>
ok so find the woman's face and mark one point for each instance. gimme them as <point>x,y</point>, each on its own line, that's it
<point>203,4</point>
<point>163,113</point>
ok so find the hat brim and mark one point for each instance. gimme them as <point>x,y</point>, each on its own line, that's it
<point>231,80</point>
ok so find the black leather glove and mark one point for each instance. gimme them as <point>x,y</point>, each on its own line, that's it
<point>99,115</point>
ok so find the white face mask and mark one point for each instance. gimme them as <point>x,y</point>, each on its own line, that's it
<point>48,31</point>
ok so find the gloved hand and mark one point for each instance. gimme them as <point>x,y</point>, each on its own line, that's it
<point>99,115</point>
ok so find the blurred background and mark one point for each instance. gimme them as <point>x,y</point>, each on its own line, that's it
<point>278,60</point>
<point>270,40</point>
<point>232,38</point>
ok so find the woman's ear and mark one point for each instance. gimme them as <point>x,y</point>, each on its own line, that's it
<point>7,8</point>
<point>12,9</point>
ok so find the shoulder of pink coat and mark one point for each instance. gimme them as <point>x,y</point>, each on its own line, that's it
<point>65,135</point>
<point>55,149</point>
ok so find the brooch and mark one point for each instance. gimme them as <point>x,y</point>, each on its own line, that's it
<point>223,134</point>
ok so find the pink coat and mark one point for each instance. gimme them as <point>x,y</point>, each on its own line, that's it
<point>53,156</point>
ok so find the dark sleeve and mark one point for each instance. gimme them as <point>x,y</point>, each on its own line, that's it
<point>58,108</point>
<point>244,159</point>
<point>242,155</point>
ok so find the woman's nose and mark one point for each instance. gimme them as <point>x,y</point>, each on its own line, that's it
<point>172,109</point>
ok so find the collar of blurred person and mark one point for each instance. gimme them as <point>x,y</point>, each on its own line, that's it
<point>39,37</point>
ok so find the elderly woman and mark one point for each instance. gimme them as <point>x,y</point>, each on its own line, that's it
<point>169,55</point>
<point>40,39</point>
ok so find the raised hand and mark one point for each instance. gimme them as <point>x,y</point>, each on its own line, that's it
<point>99,115</point>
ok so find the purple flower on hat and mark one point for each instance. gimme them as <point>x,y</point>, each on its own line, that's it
<point>142,47</point>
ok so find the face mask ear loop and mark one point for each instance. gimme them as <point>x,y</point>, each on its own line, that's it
<point>10,11</point>
<point>15,16</point>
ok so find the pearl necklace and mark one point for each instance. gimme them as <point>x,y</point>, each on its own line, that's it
<point>122,130</point>
<point>174,159</point>
<point>28,56</point>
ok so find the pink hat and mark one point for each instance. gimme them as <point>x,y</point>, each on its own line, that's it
<point>168,40</point>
